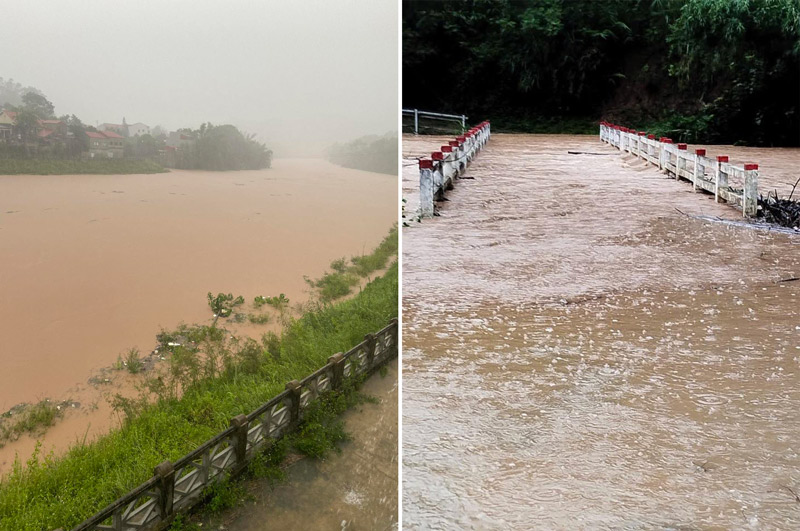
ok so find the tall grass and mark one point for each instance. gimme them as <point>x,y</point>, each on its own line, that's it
<point>50,492</point>
<point>70,167</point>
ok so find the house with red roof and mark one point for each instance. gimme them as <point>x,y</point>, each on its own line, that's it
<point>106,144</point>
<point>51,131</point>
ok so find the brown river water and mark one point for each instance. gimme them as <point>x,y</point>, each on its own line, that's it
<point>91,265</point>
<point>578,354</point>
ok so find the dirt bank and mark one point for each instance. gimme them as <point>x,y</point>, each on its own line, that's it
<point>580,354</point>
<point>94,265</point>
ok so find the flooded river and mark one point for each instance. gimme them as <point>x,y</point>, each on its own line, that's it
<point>95,264</point>
<point>580,352</point>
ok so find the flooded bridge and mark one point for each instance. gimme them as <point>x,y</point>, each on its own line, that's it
<point>581,350</point>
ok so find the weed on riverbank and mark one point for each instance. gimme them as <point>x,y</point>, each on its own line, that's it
<point>209,378</point>
<point>344,276</point>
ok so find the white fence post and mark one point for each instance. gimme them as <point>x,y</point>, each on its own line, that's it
<point>680,160</point>
<point>426,188</point>
<point>699,166</point>
<point>721,181</point>
<point>750,192</point>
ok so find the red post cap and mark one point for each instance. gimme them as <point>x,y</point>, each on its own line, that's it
<point>447,149</point>
<point>667,140</point>
<point>751,166</point>
<point>722,158</point>
<point>454,143</point>
<point>425,164</point>
<point>651,137</point>
<point>437,155</point>
<point>682,146</point>
<point>461,138</point>
<point>701,152</point>
<point>642,133</point>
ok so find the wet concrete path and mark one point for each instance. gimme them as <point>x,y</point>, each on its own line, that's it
<point>352,490</point>
<point>580,354</point>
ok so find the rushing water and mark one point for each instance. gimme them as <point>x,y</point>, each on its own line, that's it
<point>580,354</point>
<point>91,265</point>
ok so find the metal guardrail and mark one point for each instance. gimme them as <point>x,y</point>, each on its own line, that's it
<point>176,487</point>
<point>703,172</point>
<point>416,113</point>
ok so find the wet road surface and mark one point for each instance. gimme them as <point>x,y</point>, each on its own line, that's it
<point>353,490</point>
<point>579,354</point>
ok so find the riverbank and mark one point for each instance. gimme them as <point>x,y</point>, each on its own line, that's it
<point>60,492</point>
<point>78,167</point>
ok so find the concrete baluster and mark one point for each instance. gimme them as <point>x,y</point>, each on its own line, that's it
<point>721,177</point>
<point>750,192</point>
<point>426,188</point>
<point>680,161</point>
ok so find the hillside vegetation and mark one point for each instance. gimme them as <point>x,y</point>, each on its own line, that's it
<point>716,71</point>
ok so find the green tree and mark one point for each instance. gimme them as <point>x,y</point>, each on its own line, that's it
<point>39,105</point>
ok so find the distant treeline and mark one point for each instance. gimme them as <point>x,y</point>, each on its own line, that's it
<point>370,153</point>
<point>222,147</point>
<point>720,71</point>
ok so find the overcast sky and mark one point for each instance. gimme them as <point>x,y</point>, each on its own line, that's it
<point>300,74</point>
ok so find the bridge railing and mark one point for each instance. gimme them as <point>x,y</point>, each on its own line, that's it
<point>712,175</point>
<point>438,173</point>
<point>176,487</point>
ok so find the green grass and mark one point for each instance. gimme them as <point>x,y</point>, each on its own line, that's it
<point>70,167</point>
<point>340,281</point>
<point>50,492</point>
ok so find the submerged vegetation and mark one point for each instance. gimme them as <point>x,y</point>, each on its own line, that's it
<point>344,276</point>
<point>207,378</point>
<point>29,418</point>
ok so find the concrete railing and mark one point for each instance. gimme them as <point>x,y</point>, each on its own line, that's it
<point>437,174</point>
<point>177,487</point>
<point>711,175</point>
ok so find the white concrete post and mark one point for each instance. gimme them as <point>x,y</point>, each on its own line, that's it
<point>699,166</point>
<point>426,188</point>
<point>750,192</point>
<point>438,171</point>
<point>666,154</point>
<point>721,177</point>
<point>680,160</point>
<point>448,167</point>
<point>651,148</point>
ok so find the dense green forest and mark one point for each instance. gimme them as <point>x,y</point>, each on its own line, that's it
<point>716,71</point>
<point>369,153</point>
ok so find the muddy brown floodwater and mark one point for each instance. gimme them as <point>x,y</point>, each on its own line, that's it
<point>91,265</point>
<point>578,354</point>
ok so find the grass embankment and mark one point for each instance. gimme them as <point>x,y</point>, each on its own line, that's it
<point>71,167</point>
<point>216,379</point>
<point>344,275</point>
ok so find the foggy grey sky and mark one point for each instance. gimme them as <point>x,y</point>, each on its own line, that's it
<point>297,73</point>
